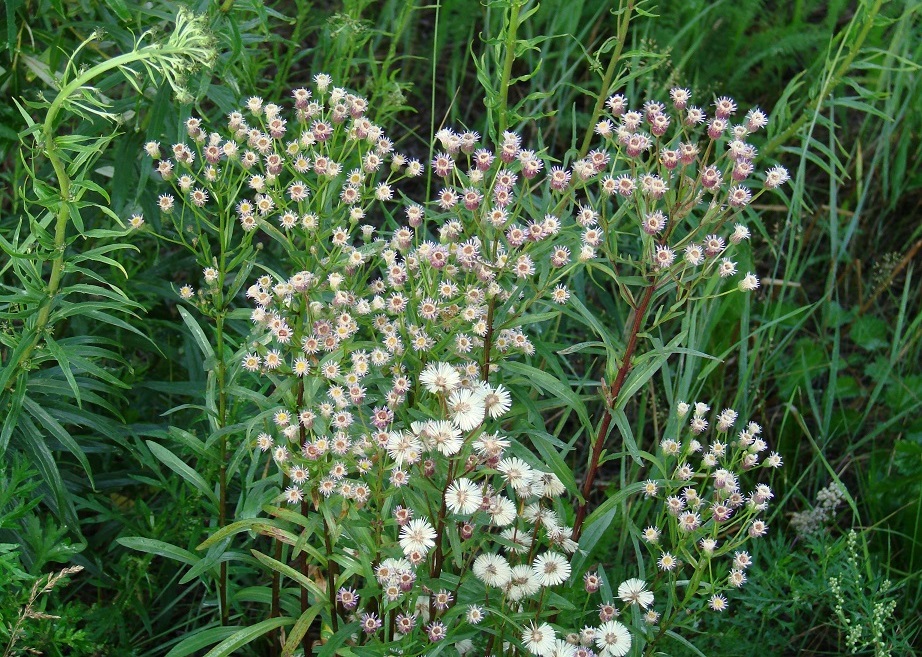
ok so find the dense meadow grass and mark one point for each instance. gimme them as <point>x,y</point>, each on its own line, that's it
<point>233,398</point>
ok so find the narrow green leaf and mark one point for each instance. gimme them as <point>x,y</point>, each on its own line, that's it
<point>552,459</point>
<point>44,461</point>
<point>197,333</point>
<point>602,510</point>
<point>59,355</point>
<point>180,467</point>
<point>160,548</point>
<point>299,630</point>
<point>260,525</point>
<point>590,537</point>
<point>206,563</point>
<point>627,434</point>
<point>242,637</point>
<point>685,642</point>
<point>55,429</point>
<point>291,573</point>
<point>550,384</point>
<point>200,640</point>
<point>11,368</point>
<point>12,413</point>
<point>334,642</point>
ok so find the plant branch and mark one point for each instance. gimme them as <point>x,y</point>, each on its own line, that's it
<point>610,400</point>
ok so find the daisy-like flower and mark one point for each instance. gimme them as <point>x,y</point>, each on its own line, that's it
<point>497,401</point>
<point>251,362</point>
<point>492,570</point>
<point>539,639</point>
<point>517,472</point>
<point>563,649</point>
<point>613,638</point>
<point>776,176</point>
<point>466,408</point>
<point>651,535</point>
<point>370,623</point>
<point>523,583</point>
<point>520,539</point>
<point>443,436</point>
<point>502,511</point>
<point>718,602</point>
<point>552,568</point>
<point>417,536</point>
<point>403,447</point>
<point>663,257</point>
<point>749,283</point>
<point>463,497</point>
<point>293,495</point>
<point>475,614</point>
<point>440,378</point>
<point>634,591</point>
<point>667,561</point>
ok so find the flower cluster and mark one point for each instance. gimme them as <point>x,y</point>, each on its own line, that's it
<point>386,349</point>
<point>706,516</point>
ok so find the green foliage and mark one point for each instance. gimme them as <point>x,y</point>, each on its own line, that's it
<point>109,392</point>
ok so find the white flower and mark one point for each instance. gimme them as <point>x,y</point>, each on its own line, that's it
<point>613,639</point>
<point>517,472</point>
<point>523,583</point>
<point>551,486</point>
<point>502,511</point>
<point>634,591</point>
<point>463,497</point>
<point>417,536</point>
<point>552,568</point>
<point>563,649</point>
<point>492,569</point>
<point>403,447</point>
<point>440,378</point>
<point>475,614</point>
<point>497,401</point>
<point>520,539</point>
<point>466,408</point>
<point>539,640</point>
<point>749,283</point>
<point>443,436</point>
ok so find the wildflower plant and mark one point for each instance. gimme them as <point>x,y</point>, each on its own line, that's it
<point>398,342</point>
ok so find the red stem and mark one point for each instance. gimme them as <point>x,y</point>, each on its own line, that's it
<point>610,400</point>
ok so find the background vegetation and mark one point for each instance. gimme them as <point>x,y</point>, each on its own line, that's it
<point>826,357</point>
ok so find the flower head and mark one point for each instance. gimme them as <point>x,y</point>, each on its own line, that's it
<point>634,591</point>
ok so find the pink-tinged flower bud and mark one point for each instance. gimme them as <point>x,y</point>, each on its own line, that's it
<point>716,128</point>
<point>680,97</point>
<point>428,468</point>
<point>592,582</point>
<point>617,104</point>
<point>669,158</point>
<point>466,531</point>
<point>724,107</point>
<point>711,177</point>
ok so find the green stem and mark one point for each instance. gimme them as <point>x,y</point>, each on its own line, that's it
<point>52,152</point>
<point>620,39</point>
<point>221,375</point>
<point>511,28</point>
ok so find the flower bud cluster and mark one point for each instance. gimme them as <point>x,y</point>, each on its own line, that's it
<point>706,515</point>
